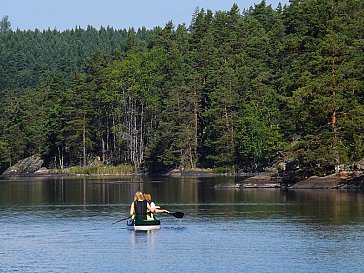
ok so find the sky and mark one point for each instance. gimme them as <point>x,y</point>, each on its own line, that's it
<point>120,14</point>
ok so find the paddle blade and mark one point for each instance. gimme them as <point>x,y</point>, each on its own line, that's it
<point>178,214</point>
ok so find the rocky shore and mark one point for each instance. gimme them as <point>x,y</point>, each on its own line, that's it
<point>346,180</point>
<point>31,166</point>
<point>343,180</point>
<point>28,165</point>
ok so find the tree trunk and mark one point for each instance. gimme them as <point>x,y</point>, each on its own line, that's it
<point>195,115</point>
<point>84,144</point>
<point>60,157</point>
<point>103,149</point>
<point>141,140</point>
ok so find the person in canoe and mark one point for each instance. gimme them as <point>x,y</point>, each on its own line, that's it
<point>150,215</point>
<point>140,206</point>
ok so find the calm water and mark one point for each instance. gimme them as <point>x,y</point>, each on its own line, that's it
<point>65,225</point>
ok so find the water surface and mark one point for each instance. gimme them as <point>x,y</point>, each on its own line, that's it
<point>66,225</point>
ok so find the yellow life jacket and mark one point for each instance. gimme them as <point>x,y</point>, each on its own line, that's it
<point>150,215</point>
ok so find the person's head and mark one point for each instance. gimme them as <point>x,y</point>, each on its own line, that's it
<point>138,196</point>
<point>147,196</point>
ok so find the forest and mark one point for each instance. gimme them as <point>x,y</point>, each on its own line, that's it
<point>235,90</point>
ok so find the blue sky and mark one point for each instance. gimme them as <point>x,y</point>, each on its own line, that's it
<point>66,14</point>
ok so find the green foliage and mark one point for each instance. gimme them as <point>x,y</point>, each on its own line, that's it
<point>122,169</point>
<point>233,90</point>
<point>5,24</point>
<point>223,170</point>
<point>327,89</point>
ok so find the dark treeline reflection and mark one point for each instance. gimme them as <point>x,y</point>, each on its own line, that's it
<point>196,196</point>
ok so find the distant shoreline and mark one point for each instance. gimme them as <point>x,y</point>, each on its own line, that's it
<point>339,181</point>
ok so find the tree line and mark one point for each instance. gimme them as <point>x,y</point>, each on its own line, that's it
<point>233,90</point>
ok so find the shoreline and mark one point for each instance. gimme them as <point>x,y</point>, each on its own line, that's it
<point>339,181</point>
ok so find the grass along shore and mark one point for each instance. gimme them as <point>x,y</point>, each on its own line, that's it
<point>122,169</point>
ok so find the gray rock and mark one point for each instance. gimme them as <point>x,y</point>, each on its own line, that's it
<point>174,173</point>
<point>359,165</point>
<point>28,165</point>
<point>42,170</point>
<point>331,181</point>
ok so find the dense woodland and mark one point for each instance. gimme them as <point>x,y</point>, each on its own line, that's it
<point>237,89</point>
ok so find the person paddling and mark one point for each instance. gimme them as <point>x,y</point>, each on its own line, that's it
<point>150,215</point>
<point>140,206</point>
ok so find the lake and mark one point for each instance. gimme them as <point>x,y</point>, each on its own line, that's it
<point>65,224</point>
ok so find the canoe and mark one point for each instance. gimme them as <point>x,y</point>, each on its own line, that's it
<point>140,224</point>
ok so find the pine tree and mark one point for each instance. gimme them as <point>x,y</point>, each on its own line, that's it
<point>5,24</point>
<point>325,99</point>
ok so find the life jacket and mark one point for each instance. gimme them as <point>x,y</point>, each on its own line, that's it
<point>140,209</point>
<point>150,215</point>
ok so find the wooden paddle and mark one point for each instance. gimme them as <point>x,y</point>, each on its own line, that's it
<point>122,219</point>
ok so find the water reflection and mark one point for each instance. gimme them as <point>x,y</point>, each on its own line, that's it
<point>65,224</point>
<point>197,197</point>
<point>141,239</point>
<point>327,206</point>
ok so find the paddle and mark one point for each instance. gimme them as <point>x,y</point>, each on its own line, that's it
<point>122,219</point>
<point>176,214</point>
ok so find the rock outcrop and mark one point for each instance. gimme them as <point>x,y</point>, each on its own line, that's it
<point>315,182</point>
<point>356,182</point>
<point>342,180</point>
<point>346,180</point>
<point>25,166</point>
<point>180,172</point>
